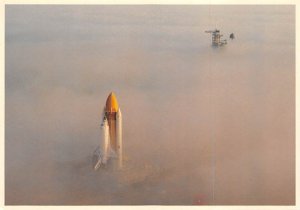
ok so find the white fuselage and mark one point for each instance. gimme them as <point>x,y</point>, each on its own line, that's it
<point>111,138</point>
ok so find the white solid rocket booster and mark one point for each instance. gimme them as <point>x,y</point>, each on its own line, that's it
<point>119,138</point>
<point>111,134</point>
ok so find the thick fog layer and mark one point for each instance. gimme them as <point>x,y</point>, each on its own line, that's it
<point>201,125</point>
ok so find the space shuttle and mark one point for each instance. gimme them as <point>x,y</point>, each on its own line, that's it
<point>110,148</point>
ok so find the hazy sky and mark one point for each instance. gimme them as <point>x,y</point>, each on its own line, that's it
<point>200,123</point>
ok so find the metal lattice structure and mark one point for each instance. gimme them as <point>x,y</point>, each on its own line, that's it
<point>216,38</point>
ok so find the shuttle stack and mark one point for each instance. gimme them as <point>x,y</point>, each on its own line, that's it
<point>111,134</point>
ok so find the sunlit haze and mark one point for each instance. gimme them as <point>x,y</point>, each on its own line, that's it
<point>201,125</point>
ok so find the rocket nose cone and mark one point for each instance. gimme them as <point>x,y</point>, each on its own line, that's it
<point>111,103</point>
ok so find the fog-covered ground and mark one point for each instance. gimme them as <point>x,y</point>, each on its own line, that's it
<point>202,125</point>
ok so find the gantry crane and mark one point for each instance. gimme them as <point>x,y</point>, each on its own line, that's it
<point>216,37</point>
